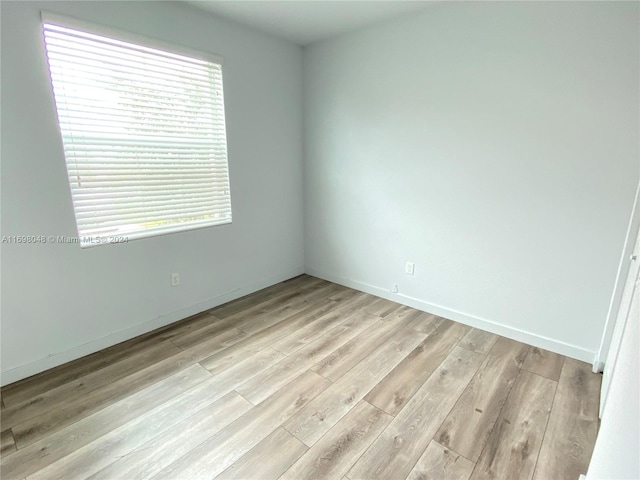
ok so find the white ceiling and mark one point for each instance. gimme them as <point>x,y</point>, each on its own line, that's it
<point>307,21</point>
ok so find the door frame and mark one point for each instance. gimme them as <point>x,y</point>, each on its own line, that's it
<point>617,315</point>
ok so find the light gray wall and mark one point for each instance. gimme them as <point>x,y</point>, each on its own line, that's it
<point>494,144</point>
<point>60,302</point>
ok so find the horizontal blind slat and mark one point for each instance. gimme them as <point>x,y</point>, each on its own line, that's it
<point>144,215</point>
<point>125,105</point>
<point>62,26</point>
<point>71,43</point>
<point>146,219</point>
<point>130,205</point>
<point>101,73</point>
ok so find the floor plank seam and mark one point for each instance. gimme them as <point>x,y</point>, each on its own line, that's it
<point>355,459</point>
<point>327,379</point>
<point>205,439</point>
<point>418,457</point>
<point>493,427</point>
<point>253,404</point>
<point>546,426</point>
<point>484,355</point>
<point>176,345</point>
<point>452,450</point>
<point>453,406</point>
<point>545,376</point>
<point>540,376</point>
<point>13,437</point>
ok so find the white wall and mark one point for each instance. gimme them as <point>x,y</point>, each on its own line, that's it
<point>60,302</point>
<point>494,144</point>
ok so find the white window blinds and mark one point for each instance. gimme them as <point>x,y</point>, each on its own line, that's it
<point>143,132</point>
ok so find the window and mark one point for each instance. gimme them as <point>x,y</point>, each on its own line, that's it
<point>143,132</point>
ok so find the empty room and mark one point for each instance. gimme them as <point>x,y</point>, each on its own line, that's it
<point>265,240</point>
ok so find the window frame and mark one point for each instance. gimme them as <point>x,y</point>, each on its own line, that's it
<point>145,42</point>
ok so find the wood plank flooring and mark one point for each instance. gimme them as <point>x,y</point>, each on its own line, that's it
<point>303,380</point>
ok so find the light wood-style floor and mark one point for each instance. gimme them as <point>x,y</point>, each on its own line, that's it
<point>305,379</point>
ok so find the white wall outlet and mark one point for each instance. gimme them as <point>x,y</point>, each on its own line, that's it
<point>175,279</point>
<point>409,268</point>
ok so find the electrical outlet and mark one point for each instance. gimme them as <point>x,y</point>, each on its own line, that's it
<point>409,268</point>
<point>175,279</point>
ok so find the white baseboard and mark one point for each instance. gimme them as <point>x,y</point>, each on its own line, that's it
<point>55,359</point>
<point>598,365</point>
<point>523,336</point>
